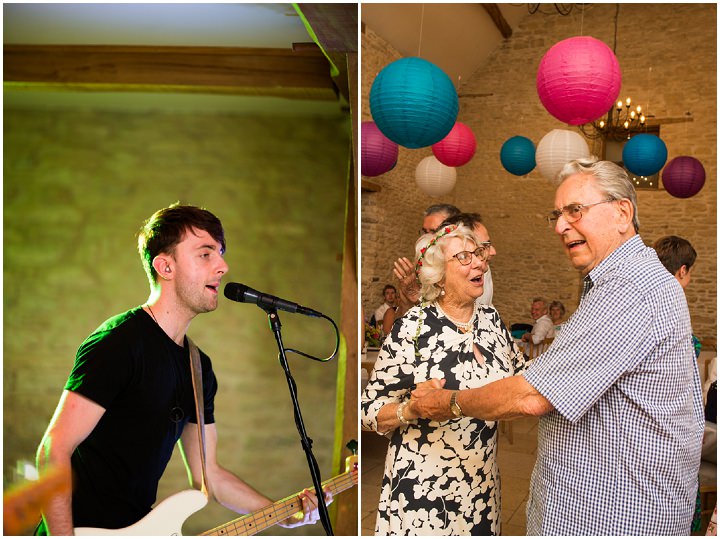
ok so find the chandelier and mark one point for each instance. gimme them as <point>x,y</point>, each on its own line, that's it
<point>621,120</point>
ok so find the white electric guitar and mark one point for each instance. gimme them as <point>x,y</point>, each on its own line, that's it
<point>169,515</point>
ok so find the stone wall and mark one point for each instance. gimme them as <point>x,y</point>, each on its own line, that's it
<point>678,41</point>
<point>77,186</point>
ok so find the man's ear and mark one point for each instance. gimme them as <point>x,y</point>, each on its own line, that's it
<point>625,214</point>
<point>682,272</point>
<point>163,266</point>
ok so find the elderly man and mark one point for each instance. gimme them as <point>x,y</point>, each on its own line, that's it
<point>543,327</point>
<point>618,391</point>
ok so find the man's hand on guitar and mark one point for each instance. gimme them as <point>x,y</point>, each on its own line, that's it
<point>310,513</point>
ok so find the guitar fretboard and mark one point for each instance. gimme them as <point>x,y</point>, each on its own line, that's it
<point>262,519</point>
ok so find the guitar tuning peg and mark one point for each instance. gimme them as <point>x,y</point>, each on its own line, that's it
<point>352,445</point>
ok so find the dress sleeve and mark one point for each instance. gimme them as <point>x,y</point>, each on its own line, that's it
<point>393,375</point>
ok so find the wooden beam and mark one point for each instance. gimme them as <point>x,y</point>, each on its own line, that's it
<point>346,522</point>
<point>253,71</point>
<point>370,187</point>
<point>497,17</point>
<point>335,25</point>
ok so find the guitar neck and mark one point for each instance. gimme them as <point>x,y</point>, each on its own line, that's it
<point>263,519</point>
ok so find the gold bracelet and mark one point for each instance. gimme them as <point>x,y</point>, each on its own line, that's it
<point>399,413</point>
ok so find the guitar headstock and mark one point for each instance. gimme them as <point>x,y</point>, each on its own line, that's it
<point>351,462</point>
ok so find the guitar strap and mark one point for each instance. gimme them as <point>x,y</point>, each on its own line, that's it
<point>196,370</point>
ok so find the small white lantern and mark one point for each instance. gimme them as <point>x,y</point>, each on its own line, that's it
<point>558,148</point>
<point>434,178</point>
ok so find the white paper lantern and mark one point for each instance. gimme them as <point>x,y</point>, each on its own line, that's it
<point>434,178</point>
<point>557,148</point>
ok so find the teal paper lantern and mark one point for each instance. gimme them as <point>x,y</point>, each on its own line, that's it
<point>517,155</point>
<point>413,102</point>
<point>644,154</point>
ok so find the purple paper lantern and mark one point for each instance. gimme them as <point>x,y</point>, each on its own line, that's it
<point>683,176</point>
<point>457,148</point>
<point>578,80</point>
<point>378,154</point>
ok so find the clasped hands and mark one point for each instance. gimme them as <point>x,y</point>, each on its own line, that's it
<point>430,401</point>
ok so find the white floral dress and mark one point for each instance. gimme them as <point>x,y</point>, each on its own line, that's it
<point>441,477</point>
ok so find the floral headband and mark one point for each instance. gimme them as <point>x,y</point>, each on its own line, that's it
<point>446,230</point>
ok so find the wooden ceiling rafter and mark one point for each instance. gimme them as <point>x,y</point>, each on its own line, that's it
<point>493,10</point>
<point>300,74</point>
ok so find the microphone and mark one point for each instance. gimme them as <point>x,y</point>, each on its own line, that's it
<point>245,294</point>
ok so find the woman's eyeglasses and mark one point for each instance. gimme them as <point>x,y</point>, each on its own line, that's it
<point>482,252</point>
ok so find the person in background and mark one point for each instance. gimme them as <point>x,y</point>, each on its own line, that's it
<point>678,256</point>
<point>543,327</point>
<point>617,392</point>
<point>390,303</point>
<point>557,314</point>
<point>441,478</point>
<point>435,215</point>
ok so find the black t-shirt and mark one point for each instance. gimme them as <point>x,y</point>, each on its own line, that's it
<point>142,378</point>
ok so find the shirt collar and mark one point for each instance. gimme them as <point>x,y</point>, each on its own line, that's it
<point>632,246</point>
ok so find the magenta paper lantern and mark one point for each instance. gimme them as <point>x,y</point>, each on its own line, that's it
<point>457,148</point>
<point>578,80</point>
<point>683,177</point>
<point>379,154</point>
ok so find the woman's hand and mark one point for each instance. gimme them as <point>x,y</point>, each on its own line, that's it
<point>431,401</point>
<point>421,389</point>
<point>404,270</point>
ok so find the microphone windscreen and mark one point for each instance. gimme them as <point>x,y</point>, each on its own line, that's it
<point>235,291</point>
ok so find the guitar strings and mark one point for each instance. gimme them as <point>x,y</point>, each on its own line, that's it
<point>271,515</point>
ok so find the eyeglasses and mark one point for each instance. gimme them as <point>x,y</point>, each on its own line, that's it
<point>465,257</point>
<point>572,212</point>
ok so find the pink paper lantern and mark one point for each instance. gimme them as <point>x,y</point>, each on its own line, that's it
<point>579,80</point>
<point>457,148</point>
<point>378,154</point>
<point>683,177</point>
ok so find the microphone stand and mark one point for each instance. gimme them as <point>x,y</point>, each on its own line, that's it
<point>306,442</point>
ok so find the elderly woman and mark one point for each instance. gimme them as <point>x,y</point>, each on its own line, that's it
<point>441,477</point>
<point>557,313</point>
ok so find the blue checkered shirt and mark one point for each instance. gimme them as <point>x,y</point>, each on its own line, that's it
<point>620,453</point>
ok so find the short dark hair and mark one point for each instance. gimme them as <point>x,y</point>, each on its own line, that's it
<point>675,252</point>
<point>388,287</point>
<point>166,227</point>
<point>470,220</point>
<point>448,209</point>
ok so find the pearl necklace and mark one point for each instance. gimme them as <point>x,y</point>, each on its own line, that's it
<point>462,326</point>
